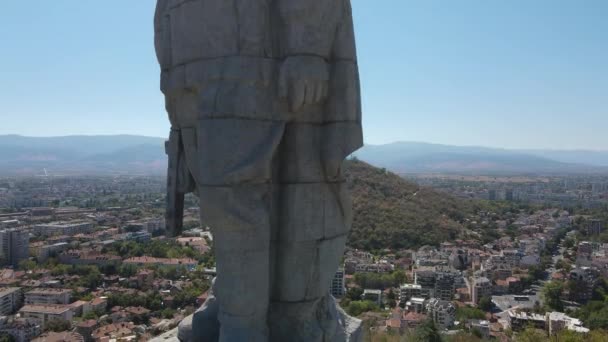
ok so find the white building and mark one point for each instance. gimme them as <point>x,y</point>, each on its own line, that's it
<point>407,291</point>
<point>558,321</point>
<point>415,304</point>
<point>373,295</point>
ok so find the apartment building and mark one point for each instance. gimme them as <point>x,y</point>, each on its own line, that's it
<point>337,283</point>
<point>14,246</point>
<point>48,296</point>
<point>63,228</point>
<point>42,314</point>
<point>11,298</point>
<point>442,312</point>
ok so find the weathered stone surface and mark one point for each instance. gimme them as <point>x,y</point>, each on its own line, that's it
<point>337,326</point>
<point>264,102</point>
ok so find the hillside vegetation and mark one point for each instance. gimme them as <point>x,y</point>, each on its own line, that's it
<point>391,212</point>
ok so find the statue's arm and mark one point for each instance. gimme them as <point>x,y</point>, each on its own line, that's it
<point>308,30</point>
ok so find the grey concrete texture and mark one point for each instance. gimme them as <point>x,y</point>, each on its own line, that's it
<point>264,103</point>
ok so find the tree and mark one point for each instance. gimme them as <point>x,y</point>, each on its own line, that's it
<point>355,308</point>
<point>552,293</point>
<point>427,332</point>
<point>27,265</point>
<point>531,335</point>
<point>354,293</point>
<point>466,312</point>
<point>4,337</point>
<point>485,303</point>
<point>127,270</point>
<point>58,325</point>
<point>391,298</point>
<point>168,313</point>
<point>563,264</point>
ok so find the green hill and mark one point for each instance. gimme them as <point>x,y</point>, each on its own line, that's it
<point>391,212</point>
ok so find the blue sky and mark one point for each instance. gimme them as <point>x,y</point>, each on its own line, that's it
<point>515,74</point>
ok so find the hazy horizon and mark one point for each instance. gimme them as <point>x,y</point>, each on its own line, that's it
<point>516,75</point>
<point>366,144</point>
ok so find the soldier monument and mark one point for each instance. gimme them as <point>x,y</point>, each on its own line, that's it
<point>264,103</point>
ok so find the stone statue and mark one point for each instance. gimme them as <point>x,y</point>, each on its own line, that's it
<point>264,103</point>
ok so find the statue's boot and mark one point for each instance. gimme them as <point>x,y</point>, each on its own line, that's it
<point>204,326</point>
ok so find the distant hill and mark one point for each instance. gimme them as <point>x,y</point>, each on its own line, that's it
<point>119,154</point>
<point>395,213</point>
<point>415,157</point>
<point>103,154</point>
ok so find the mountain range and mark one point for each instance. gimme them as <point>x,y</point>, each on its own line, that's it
<point>132,154</point>
<point>417,157</point>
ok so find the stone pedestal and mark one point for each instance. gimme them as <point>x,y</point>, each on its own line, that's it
<point>347,329</point>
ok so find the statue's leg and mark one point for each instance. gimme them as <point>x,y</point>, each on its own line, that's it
<point>233,175</point>
<point>313,222</point>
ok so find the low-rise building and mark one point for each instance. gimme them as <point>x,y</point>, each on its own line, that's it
<point>99,304</point>
<point>482,326</point>
<point>415,304</point>
<point>48,296</point>
<point>86,329</point>
<point>42,314</point>
<point>520,320</point>
<point>412,319</point>
<point>44,252</point>
<point>63,228</point>
<point>116,331</point>
<point>557,321</point>
<point>59,337</point>
<point>187,263</point>
<point>74,257</point>
<point>140,236</point>
<point>196,242</point>
<point>407,291</point>
<point>373,295</point>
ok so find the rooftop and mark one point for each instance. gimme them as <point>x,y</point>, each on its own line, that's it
<point>48,291</point>
<point>8,290</point>
<point>59,337</point>
<point>48,309</point>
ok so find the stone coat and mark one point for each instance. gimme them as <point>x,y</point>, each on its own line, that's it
<point>226,65</point>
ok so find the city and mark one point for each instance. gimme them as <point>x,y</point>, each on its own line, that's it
<point>88,257</point>
<point>304,171</point>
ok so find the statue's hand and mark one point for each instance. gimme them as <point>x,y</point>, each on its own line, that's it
<point>303,80</point>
